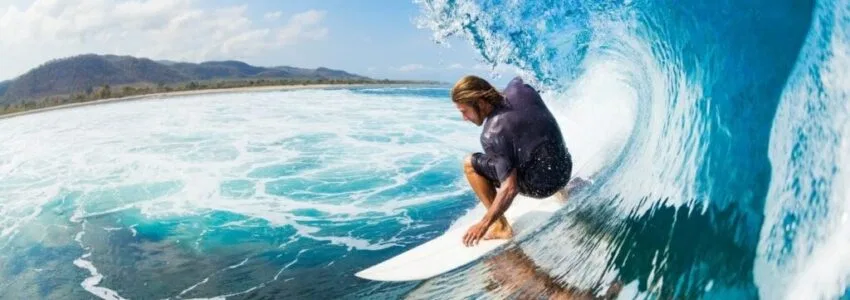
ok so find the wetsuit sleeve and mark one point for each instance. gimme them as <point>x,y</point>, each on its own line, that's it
<point>496,162</point>
<point>503,167</point>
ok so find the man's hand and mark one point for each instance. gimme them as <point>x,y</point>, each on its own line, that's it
<point>475,233</point>
<point>500,204</point>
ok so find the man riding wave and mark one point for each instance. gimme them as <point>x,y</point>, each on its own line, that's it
<point>524,151</point>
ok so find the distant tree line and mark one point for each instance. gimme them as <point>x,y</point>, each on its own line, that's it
<point>74,74</point>
<point>108,92</point>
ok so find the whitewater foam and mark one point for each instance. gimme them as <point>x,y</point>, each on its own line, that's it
<point>325,163</point>
<point>802,252</point>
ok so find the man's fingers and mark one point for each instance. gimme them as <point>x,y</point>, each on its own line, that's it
<point>468,237</point>
<point>473,236</point>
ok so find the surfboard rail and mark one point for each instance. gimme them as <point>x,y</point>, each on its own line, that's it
<point>447,251</point>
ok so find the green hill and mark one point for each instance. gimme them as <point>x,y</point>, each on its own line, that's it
<point>3,86</point>
<point>85,73</point>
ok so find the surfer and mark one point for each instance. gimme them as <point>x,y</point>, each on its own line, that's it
<point>524,151</point>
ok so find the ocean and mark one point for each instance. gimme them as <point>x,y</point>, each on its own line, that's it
<point>716,134</point>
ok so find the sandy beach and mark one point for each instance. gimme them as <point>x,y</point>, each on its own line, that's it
<point>199,92</point>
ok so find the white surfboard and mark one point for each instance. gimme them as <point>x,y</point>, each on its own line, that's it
<point>447,252</point>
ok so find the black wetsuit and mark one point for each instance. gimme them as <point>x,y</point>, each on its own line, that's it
<point>522,134</point>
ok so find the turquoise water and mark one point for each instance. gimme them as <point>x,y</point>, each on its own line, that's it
<point>240,195</point>
<point>716,134</point>
<point>728,124</point>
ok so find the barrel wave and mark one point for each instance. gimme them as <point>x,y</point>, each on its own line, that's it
<point>716,134</point>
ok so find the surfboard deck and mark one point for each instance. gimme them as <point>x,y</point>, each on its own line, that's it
<point>447,252</point>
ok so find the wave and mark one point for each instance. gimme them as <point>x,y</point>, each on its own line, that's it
<point>704,126</point>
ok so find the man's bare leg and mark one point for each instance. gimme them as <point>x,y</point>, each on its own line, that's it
<point>486,193</point>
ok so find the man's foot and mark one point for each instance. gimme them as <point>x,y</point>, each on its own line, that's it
<point>574,186</point>
<point>498,231</point>
<point>562,196</point>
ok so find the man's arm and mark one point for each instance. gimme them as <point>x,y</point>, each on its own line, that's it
<point>504,197</point>
<point>503,200</point>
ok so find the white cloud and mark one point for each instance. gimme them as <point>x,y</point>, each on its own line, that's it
<point>273,15</point>
<point>456,66</point>
<point>159,29</point>
<point>303,26</point>
<point>501,68</point>
<point>411,67</point>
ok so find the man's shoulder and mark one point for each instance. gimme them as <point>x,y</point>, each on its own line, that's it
<point>503,122</point>
<point>497,130</point>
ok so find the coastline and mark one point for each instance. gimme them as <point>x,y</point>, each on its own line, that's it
<point>205,92</point>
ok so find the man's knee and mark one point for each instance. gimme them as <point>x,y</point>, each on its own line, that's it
<point>467,165</point>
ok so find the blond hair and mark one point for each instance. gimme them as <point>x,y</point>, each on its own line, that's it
<point>470,89</point>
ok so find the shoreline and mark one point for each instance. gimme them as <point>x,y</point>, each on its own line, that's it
<point>271,88</point>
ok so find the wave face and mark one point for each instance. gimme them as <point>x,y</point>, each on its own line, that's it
<point>716,133</point>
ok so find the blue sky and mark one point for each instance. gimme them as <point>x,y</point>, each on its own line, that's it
<point>375,38</point>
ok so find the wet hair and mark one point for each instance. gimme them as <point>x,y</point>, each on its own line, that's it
<point>470,89</point>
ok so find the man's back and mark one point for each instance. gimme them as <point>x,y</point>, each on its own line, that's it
<point>520,126</point>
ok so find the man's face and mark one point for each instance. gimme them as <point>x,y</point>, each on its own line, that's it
<point>469,113</point>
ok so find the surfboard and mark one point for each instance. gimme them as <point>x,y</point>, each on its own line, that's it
<point>447,252</point>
